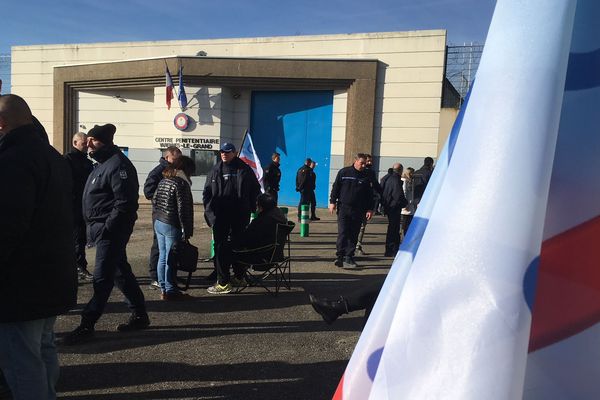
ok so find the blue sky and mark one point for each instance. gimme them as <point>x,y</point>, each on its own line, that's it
<point>86,21</point>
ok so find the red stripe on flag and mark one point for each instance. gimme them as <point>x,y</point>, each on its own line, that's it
<point>248,161</point>
<point>338,395</point>
<point>567,299</point>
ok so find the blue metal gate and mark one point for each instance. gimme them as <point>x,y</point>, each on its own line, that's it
<point>296,124</point>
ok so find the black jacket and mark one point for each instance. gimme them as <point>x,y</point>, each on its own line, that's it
<point>393,194</point>
<point>37,260</point>
<point>110,197</point>
<point>420,180</point>
<point>354,189</point>
<point>305,179</point>
<point>247,190</point>
<point>384,179</point>
<point>173,204</point>
<point>81,167</point>
<point>154,177</point>
<point>272,177</point>
<point>261,231</point>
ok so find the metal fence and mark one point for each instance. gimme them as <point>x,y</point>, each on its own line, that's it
<point>5,73</point>
<point>461,66</point>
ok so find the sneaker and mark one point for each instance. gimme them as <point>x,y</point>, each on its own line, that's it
<point>339,262</point>
<point>177,296</point>
<point>154,285</point>
<point>220,289</point>
<point>134,323</point>
<point>81,334</point>
<point>84,274</point>
<point>349,263</point>
<point>237,282</point>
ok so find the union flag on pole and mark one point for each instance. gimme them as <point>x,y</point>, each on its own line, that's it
<point>499,298</point>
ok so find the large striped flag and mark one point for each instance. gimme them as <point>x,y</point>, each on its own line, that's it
<point>168,87</point>
<point>453,319</point>
<point>249,156</point>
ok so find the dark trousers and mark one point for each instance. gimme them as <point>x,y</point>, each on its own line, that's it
<point>405,221</point>
<point>392,237</point>
<point>112,268</point>
<point>227,226</point>
<point>153,261</point>
<point>304,199</point>
<point>364,298</point>
<point>349,221</point>
<point>313,203</point>
<point>80,239</point>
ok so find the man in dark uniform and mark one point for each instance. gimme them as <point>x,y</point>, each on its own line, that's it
<point>172,153</point>
<point>304,184</point>
<point>421,179</point>
<point>37,262</point>
<point>229,198</point>
<point>393,203</point>
<point>313,197</point>
<point>272,176</point>
<point>81,167</point>
<point>352,196</point>
<point>377,192</point>
<point>110,204</point>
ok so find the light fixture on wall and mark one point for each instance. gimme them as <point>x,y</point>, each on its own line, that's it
<point>121,99</point>
<point>236,95</point>
<point>201,53</point>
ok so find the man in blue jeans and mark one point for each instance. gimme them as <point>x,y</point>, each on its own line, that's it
<point>37,262</point>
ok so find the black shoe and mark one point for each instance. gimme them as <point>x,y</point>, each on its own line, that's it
<point>339,262</point>
<point>154,285</point>
<point>134,323</point>
<point>81,334</point>
<point>329,310</point>
<point>349,263</point>
<point>84,274</point>
<point>315,218</point>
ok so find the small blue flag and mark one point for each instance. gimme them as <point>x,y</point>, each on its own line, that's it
<point>182,97</point>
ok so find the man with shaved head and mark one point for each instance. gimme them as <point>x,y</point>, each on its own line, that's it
<point>36,247</point>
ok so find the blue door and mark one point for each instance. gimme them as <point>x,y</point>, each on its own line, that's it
<point>297,125</point>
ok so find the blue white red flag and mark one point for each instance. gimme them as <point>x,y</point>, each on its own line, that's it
<point>514,201</point>
<point>182,97</point>
<point>249,156</point>
<point>169,87</point>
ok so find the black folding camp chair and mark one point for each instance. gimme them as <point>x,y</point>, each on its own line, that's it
<point>270,263</point>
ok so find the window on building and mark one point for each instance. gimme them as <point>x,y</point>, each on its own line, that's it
<point>205,160</point>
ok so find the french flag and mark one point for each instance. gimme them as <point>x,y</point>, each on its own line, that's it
<point>495,292</point>
<point>169,87</point>
<point>249,156</point>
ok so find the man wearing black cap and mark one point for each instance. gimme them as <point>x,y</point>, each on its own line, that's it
<point>272,176</point>
<point>229,197</point>
<point>110,203</point>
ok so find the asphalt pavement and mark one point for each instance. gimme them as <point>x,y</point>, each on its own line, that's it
<point>249,345</point>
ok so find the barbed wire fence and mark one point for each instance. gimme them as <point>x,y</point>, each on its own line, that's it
<point>462,62</point>
<point>5,73</point>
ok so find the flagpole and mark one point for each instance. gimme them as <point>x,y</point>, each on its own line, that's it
<point>244,138</point>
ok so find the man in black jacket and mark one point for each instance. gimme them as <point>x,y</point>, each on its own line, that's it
<point>229,197</point>
<point>172,153</point>
<point>377,192</point>
<point>81,167</point>
<point>37,263</point>
<point>272,176</point>
<point>421,179</point>
<point>305,184</point>
<point>352,196</point>
<point>110,203</point>
<point>393,203</point>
